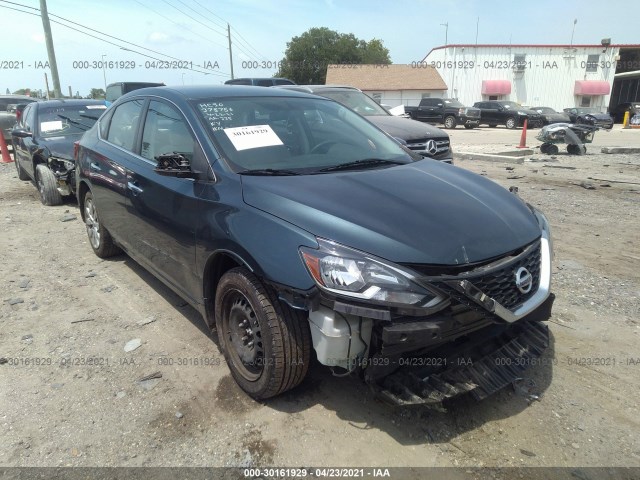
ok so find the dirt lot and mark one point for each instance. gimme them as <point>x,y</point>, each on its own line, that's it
<point>71,395</point>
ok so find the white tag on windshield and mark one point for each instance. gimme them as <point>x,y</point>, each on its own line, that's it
<point>50,126</point>
<point>254,136</point>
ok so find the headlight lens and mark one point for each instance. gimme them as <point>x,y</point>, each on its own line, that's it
<point>522,113</point>
<point>351,273</point>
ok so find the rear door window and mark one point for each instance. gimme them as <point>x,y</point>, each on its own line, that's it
<point>124,123</point>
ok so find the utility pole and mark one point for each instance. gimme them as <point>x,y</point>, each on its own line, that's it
<point>230,54</point>
<point>50,52</point>
<point>46,81</point>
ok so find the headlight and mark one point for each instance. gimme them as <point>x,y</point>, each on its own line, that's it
<point>522,113</point>
<point>351,273</point>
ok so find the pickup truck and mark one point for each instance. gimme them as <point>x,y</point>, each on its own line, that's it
<point>8,115</point>
<point>445,110</point>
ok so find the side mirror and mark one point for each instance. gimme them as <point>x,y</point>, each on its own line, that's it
<point>21,133</point>
<point>174,165</point>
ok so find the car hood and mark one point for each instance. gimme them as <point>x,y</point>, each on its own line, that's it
<point>405,128</point>
<point>425,212</point>
<point>598,116</point>
<point>61,147</point>
<point>556,117</point>
<point>532,113</point>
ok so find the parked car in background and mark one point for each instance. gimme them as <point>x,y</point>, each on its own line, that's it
<point>43,144</point>
<point>260,82</point>
<point>292,223</point>
<point>618,112</point>
<point>422,138</point>
<point>549,115</point>
<point>116,90</point>
<point>589,116</point>
<point>445,111</point>
<point>8,107</point>
<point>509,114</point>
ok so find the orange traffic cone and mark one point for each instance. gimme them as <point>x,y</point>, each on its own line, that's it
<point>523,137</point>
<point>6,158</point>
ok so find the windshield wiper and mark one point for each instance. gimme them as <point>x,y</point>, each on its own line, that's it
<point>75,122</point>
<point>367,162</point>
<point>268,171</point>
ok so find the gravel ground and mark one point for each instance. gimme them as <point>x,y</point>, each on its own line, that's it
<point>107,367</point>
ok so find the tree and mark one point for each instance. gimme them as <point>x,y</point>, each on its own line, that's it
<point>97,93</point>
<point>25,91</point>
<point>307,56</point>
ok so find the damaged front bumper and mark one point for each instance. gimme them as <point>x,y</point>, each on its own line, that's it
<point>495,358</point>
<point>64,171</point>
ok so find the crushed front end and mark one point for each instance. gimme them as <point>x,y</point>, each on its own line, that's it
<point>419,334</point>
<point>64,171</point>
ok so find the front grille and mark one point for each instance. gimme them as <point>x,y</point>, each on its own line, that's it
<point>501,285</point>
<point>475,114</point>
<point>498,283</point>
<point>430,147</point>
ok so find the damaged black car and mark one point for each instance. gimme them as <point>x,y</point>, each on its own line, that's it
<point>43,144</point>
<point>295,225</point>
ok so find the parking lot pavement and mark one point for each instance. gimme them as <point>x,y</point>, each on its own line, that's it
<point>463,139</point>
<point>76,392</point>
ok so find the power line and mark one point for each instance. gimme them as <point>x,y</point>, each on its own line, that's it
<point>181,26</point>
<point>194,19</point>
<point>211,72</point>
<point>248,45</point>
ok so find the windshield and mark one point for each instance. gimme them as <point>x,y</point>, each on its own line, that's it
<point>356,101</point>
<point>544,110</point>
<point>299,135</point>
<point>454,103</point>
<point>65,120</point>
<point>589,110</point>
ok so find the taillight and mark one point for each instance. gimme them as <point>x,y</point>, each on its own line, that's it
<point>76,149</point>
<point>18,115</point>
<point>461,111</point>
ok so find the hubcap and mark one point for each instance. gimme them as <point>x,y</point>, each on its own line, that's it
<point>91,220</point>
<point>244,336</point>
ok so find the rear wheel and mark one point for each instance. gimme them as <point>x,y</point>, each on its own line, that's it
<point>266,344</point>
<point>511,123</point>
<point>469,127</point>
<point>450,121</point>
<point>99,237</point>
<point>47,186</point>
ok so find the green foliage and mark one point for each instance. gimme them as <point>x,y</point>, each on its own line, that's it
<point>97,93</point>
<point>307,56</point>
<point>26,91</point>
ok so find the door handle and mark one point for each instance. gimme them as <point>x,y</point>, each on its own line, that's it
<point>134,188</point>
<point>94,166</point>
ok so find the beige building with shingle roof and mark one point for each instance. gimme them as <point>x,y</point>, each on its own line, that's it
<point>391,85</point>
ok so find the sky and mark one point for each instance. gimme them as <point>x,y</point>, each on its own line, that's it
<point>193,34</point>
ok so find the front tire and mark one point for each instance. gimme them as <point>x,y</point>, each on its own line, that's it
<point>469,127</point>
<point>47,186</point>
<point>266,344</point>
<point>511,123</point>
<point>99,237</point>
<point>450,121</point>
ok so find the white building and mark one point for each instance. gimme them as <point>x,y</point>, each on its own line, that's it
<point>557,76</point>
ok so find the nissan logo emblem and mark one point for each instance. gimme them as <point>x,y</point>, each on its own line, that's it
<point>431,147</point>
<point>524,280</point>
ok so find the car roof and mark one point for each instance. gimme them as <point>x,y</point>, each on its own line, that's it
<point>317,88</point>
<point>58,102</point>
<point>201,92</point>
<point>18,97</point>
